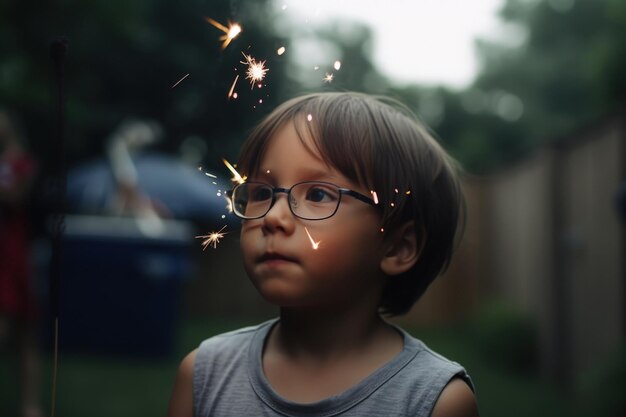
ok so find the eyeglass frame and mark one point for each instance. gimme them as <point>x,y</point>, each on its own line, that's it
<point>275,190</point>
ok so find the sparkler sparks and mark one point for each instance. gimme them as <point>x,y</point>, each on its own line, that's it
<point>281,50</point>
<point>179,81</point>
<point>212,239</point>
<point>232,88</point>
<point>314,244</point>
<point>337,65</point>
<point>236,177</point>
<point>256,70</point>
<point>230,32</point>
<point>375,196</point>
<point>328,78</point>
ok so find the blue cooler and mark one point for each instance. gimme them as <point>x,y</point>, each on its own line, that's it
<point>121,284</point>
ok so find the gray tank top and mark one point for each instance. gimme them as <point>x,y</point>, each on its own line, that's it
<point>228,380</point>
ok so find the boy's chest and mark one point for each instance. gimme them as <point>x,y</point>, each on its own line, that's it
<point>307,384</point>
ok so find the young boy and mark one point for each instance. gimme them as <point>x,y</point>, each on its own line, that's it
<point>350,210</point>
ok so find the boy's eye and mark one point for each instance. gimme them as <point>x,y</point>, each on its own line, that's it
<point>321,194</point>
<point>260,193</point>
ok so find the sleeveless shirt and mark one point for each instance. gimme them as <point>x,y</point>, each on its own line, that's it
<point>228,380</point>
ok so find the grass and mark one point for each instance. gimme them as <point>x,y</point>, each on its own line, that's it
<point>113,386</point>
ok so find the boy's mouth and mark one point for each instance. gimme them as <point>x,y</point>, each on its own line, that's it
<point>272,256</point>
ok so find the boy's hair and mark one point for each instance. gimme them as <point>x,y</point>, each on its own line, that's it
<point>378,143</point>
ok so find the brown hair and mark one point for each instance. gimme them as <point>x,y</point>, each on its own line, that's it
<point>378,143</point>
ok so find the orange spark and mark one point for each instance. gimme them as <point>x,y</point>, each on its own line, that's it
<point>375,196</point>
<point>314,244</point>
<point>230,32</point>
<point>236,177</point>
<point>212,239</point>
<point>232,87</point>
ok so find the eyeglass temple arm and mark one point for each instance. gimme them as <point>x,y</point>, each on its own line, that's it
<point>358,196</point>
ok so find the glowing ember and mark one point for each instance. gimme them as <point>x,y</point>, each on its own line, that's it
<point>256,70</point>
<point>179,81</point>
<point>375,196</point>
<point>232,88</point>
<point>236,177</point>
<point>337,65</point>
<point>408,192</point>
<point>314,244</point>
<point>212,239</point>
<point>230,32</point>
<point>281,50</point>
<point>328,78</point>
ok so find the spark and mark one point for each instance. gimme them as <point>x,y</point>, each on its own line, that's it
<point>230,32</point>
<point>309,117</point>
<point>212,239</point>
<point>328,78</point>
<point>210,175</point>
<point>236,177</point>
<point>375,196</point>
<point>316,67</point>
<point>408,192</point>
<point>256,70</point>
<point>281,50</point>
<point>232,88</point>
<point>337,65</point>
<point>179,81</point>
<point>314,244</point>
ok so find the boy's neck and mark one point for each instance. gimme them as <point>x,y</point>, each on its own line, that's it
<point>322,336</point>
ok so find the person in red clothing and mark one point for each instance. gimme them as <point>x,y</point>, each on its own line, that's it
<point>18,308</point>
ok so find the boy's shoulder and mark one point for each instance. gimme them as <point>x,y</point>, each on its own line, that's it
<point>427,364</point>
<point>231,343</point>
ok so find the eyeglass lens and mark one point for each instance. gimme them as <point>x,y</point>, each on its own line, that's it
<point>308,200</point>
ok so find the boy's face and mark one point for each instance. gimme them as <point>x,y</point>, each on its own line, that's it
<point>278,254</point>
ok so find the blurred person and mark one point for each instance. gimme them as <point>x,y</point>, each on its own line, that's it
<point>18,307</point>
<point>349,211</point>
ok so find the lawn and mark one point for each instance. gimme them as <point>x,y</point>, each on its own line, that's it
<point>112,386</point>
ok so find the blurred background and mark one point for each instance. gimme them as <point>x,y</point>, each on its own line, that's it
<point>528,94</point>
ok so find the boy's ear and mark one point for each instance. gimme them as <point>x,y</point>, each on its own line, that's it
<point>403,250</point>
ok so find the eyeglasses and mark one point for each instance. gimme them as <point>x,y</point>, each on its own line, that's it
<point>309,200</point>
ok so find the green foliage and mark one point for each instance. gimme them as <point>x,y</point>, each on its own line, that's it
<point>507,338</point>
<point>601,390</point>
<point>122,60</point>
<point>567,73</point>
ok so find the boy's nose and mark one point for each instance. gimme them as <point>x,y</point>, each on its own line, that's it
<point>279,217</point>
